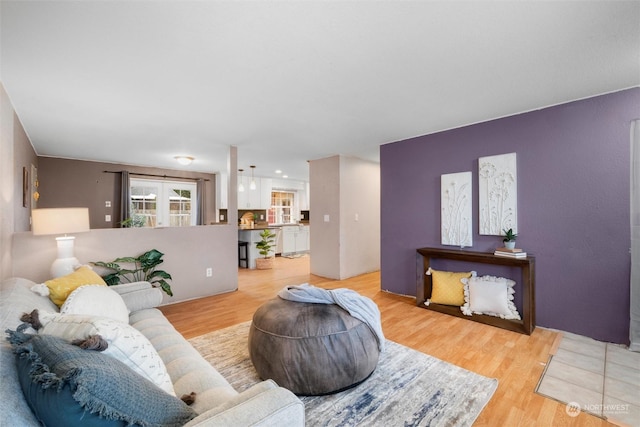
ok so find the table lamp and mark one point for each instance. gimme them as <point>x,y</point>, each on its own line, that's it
<point>61,221</point>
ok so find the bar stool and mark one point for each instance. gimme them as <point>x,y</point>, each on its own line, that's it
<point>243,245</point>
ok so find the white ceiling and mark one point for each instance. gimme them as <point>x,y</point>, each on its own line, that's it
<point>140,82</point>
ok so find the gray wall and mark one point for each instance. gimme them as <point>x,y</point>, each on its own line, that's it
<point>16,152</point>
<point>360,237</point>
<point>573,205</point>
<point>72,183</point>
<point>324,179</point>
<point>343,187</point>
<point>189,251</point>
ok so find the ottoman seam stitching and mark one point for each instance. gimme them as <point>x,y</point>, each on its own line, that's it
<point>300,338</point>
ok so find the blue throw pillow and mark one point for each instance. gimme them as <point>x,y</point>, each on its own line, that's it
<point>65,385</point>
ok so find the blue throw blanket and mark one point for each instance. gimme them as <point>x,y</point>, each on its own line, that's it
<point>358,306</point>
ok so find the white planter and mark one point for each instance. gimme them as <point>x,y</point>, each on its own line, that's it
<point>510,244</point>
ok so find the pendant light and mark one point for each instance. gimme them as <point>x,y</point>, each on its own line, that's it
<point>241,184</point>
<point>252,184</point>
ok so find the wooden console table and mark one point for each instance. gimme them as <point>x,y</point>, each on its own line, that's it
<point>527,288</point>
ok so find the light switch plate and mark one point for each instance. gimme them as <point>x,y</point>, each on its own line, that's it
<point>326,217</point>
<point>107,204</point>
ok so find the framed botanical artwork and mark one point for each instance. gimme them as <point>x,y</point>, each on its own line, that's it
<point>498,194</point>
<point>456,210</point>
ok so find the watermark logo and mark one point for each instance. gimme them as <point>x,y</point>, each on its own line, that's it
<point>572,409</point>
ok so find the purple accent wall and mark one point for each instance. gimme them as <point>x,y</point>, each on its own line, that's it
<point>573,206</point>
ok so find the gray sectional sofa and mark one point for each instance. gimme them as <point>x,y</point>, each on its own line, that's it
<point>216,403</point>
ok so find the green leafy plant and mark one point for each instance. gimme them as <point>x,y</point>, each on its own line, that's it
<point>142,267</point>
<point>265,245</point>
<point>134,221</point>
<point>509,235</point>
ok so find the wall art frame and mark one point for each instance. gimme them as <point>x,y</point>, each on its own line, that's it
<point>497,194</point>
<point>456,209</point>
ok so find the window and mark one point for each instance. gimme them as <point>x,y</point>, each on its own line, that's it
<point>163,203</point>
<point>282,203</point>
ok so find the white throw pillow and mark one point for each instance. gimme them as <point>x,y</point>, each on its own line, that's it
<point>96,300</point>
<point>489,295</point>
<point>126,343</point>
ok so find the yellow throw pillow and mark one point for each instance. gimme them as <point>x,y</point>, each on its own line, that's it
<point>60,288</point>
<point>447,287</point>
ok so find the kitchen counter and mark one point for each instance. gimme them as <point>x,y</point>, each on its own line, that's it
<point>291,239</point>
<point>270,226</point>
<point>257,227</point>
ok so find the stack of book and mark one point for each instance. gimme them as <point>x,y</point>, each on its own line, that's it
<point>511,253</point>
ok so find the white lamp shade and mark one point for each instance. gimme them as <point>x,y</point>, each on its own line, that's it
<point>59,220</point>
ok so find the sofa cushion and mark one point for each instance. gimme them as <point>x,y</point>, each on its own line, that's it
<point>188,370</point>
<point>65,385</point>
<point>447,287</point>
<point>126,343</point>
<point>16,298</point>
<point>96,300</point>
<point>60,288</point>
<point>489,295</point>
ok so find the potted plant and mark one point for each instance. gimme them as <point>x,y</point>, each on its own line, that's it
<point>509,239</point>
<point>142,267</point>
<point>264,247</point>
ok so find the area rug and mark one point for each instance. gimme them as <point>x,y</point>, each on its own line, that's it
<point>408,388</point>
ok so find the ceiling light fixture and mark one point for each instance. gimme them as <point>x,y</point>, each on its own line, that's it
<point>278,171</point>
<point>184,160</point>
<point>241,185</point>
<point>252,184</point>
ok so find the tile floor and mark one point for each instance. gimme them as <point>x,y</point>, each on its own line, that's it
<point>602,378</point>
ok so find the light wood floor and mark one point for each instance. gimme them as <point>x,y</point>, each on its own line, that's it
<point>516,360</point>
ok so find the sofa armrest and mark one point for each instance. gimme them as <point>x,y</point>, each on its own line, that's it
<point>265,404</point>
<point>142,299</point>
<point>125,288</point>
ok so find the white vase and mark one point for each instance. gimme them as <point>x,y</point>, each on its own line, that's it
<point>510,244</point>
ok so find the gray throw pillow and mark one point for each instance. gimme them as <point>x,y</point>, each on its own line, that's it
<point>65,385</point>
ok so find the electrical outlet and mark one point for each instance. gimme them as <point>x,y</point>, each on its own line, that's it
<point>326,218</point>
<point>107,218</point>
<point>209,272</point>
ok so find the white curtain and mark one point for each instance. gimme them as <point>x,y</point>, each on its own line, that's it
<point>634,332</point>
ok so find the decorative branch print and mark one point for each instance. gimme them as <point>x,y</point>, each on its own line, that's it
<point>456,224</point>
<point>498,193</point>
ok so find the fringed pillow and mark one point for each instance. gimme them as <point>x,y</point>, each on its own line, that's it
<point>489,295</point>
<point>125,343</point>
<point>96,300</point>
<point>66,385</point>
<point>59,289</point>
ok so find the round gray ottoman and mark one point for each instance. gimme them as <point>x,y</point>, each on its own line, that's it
<point>311,349</point>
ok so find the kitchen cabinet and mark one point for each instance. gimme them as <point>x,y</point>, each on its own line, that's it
<point>260,198</point>
<point>295,239</point>
<point>265,193</point>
